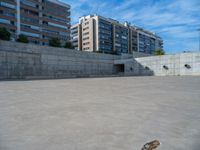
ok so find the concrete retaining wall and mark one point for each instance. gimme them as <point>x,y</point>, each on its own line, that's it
<point>179,64</point>
<point>139,54</point>
<point>26,61</point>
<point>168,65</point>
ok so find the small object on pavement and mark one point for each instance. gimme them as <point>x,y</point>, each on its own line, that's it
<point>151,145</point>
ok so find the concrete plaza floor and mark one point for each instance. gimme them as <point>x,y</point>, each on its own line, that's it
<point>100,113</point>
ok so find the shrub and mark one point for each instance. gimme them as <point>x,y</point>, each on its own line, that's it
<point>4,34</point>
<point>22,39</point>
<point>159,52</point>
<point>55,42</point>
<point>68,45</point>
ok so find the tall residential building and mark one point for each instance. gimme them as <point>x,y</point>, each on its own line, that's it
<point>76,33</point>
<point>121,38</point>
<point>8,15</point>
<point>97,33</point>
<point>148,42</point>
<point>88,34</point>
<point>39,20</point>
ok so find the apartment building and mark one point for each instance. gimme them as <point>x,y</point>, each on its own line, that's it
<point>133,39</point>
<point>148,42</point>
<point>39,20</point>
<point>96,32</point>
<point>104,30</point>
<point>121,38</point>
<point>8,15</point>
<point>76,34</point>
<point>110,36</point>
<point>88,33</point>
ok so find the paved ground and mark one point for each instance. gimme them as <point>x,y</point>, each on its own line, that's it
<point>100,114</point>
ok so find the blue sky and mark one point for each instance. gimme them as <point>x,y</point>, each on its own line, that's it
<point>176,21</point>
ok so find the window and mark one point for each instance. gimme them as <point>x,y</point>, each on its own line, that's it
<point>74,32</point>
<point>30,34</point>
<point>87,38</point>
<point>63,33</point>
<point>55,18</point>
<point>3,12</point>
<point>124,37</point>
<point>86,23</point>
<point>87,48</point>
<point>74,29</point>
<point>45,22</point>
<point>50,31</point>
<point>12,22</point>
<point>86,43</point>
<point>28,3</point>
<point>117,44</point>
<point>86,33</point>
<point>55,25</point>
<point>29,19</point>
<point>30,27</point>
<point>5,21</point>
<point>45,44</point>
<point>85,28</point>
<point>7,5</point>
<point>30,12</point>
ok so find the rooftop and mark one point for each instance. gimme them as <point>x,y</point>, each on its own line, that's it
<point>121,24</point>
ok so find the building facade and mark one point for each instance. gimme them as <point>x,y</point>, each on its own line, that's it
<point>39,20</point>
<point>121,38</point>
<point>148,42</point>
<point>76,34</point>
<point>106,35</point>
<point>88,34</point>
<point>8,15</point>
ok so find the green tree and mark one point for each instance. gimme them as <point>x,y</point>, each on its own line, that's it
<point>159,52</point>
<point>55,42</point>
<point>22,39</point>
<point>4,34</point>
<point>68,45</point>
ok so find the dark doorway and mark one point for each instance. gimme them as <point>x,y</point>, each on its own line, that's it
<point>119,68</point>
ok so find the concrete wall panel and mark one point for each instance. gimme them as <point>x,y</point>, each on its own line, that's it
<point>176,64</point>
<point>21,61</point>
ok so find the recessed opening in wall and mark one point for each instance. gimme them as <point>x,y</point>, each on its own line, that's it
<point>165,67</point>
<point>188,66</point>
<point>119,68</point>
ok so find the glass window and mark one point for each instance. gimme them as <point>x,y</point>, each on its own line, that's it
<point>7,5</point>
<point>30,34</point>
<point>26,2</point>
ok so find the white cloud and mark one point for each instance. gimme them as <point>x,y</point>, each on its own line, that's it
<point>126,4</point>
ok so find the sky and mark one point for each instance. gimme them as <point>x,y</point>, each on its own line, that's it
<point>176,21</point>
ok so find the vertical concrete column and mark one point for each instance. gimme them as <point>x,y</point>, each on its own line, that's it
<point>18,18</point>
<point>40,19</point>
<point>97,32</point>
<point>138,42</point>
<point>92,36</point>
<point>80,37</point>
<point>129,41</point>
<point>114,50</point>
